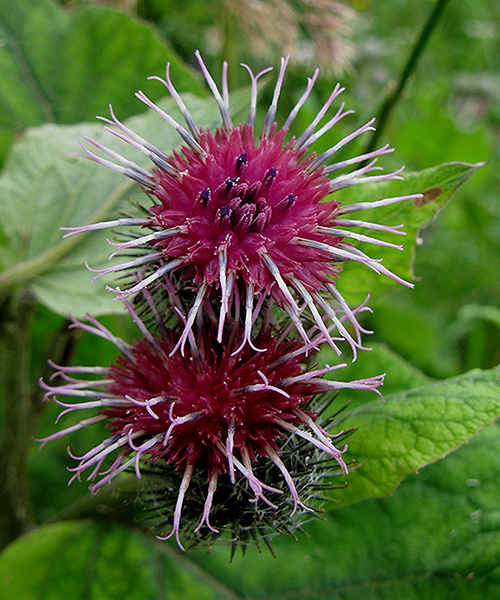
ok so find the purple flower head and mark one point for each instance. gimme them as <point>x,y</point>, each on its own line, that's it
<point>249,214</point>
<point>210,419</point>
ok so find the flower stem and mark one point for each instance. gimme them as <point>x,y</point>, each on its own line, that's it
<point>15,516</point>
<point>22,403</point>
<point>388,105</point>
<point>116,503</point>
<point>229,50</point>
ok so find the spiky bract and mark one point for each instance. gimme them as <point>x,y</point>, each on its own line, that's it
<point>210,412</point>
<point>244,214</point>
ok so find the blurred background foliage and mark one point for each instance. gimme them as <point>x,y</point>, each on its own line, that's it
<point>450,111</point>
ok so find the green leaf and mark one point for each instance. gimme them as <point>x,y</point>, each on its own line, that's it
<point>400,375</point>
<point>436,537</point>
<point>79,560</point>
<point>44,188</point>
<point>67,65</point>
<point>415,428</point>
<point>469,312</point>
<point>437,185</point>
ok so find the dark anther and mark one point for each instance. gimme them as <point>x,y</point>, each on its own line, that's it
<point>290,199</point>
<point>241,160</point>
<point>205,195</point>
<point>230,183</point>
<point>224,211</point>
<point>271,173</point>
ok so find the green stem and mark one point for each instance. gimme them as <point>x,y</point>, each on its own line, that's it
<point>388,105</point>
<point>15,516</point>
<point>116,503</point>
<point>60,348</point>
<point>23,273</point>
<point>22,405</point>
<point>212,582</point>
<point>229,50</point>
<point>28,270</point>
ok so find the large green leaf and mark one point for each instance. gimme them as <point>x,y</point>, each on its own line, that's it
<point>437,184</point>
<point>90,562</point>
<point>65,66</point>
<point>377,359</point>
<point>436,537</point>
<point>44,188</point>
<point>414,428</point>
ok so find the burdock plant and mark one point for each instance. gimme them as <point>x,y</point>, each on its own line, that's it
<point>210,413</point>
<point>232,283</point>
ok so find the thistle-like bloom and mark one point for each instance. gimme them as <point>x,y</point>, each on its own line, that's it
<point>244,214</point>
<point>208,412</point>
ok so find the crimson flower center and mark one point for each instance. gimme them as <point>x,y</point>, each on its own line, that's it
<point>199,409</point>
<point>239,200</point>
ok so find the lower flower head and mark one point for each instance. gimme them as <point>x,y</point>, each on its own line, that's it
<point>209,414</point>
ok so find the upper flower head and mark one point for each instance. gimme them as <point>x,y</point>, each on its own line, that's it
<point>214,416</point>
<point>242,213</point>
